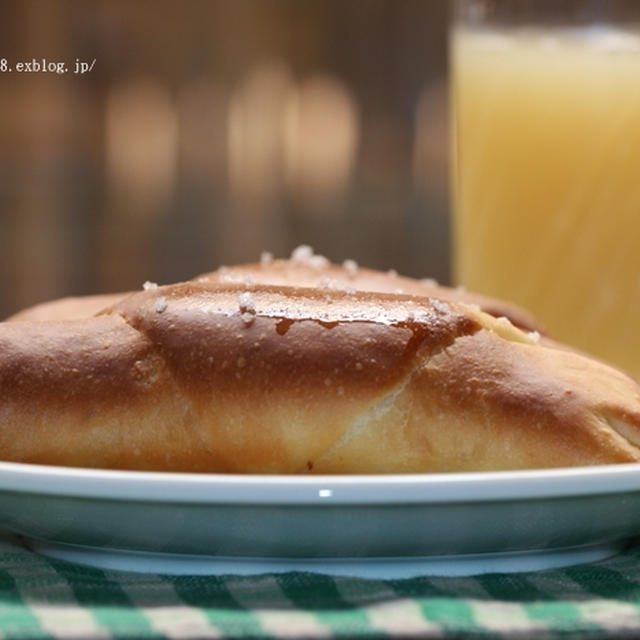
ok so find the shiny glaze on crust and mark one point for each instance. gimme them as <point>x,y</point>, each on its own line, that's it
<point>317,272</point>
<point>304,338</point>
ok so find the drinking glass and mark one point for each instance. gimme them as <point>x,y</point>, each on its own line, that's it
<point>546,165</point>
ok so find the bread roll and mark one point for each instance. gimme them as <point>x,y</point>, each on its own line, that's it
<point>242,377</point>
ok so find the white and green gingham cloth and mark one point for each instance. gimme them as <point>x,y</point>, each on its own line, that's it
<point>45,598</point>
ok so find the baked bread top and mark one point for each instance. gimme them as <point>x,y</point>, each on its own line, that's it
<point>304,269</point>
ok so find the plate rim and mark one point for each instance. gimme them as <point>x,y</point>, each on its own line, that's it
<point>327,490</point>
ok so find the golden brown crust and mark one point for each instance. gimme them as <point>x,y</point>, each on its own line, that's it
<point>305,270</point>
<point>237,377</point>
<point>315,271</point>
<point>67,308</point>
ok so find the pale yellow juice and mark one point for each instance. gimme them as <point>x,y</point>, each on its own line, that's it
<point>547,179</point>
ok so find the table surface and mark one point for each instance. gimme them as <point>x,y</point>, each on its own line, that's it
<point>45,598</point>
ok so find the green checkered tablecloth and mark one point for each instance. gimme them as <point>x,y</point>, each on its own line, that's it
<point>45,598</point>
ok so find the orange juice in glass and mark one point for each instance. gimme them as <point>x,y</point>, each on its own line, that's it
<point>546,173</point>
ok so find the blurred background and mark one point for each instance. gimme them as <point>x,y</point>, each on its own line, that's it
<point>209,131</point>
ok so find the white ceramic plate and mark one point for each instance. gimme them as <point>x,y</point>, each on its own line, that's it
<point>340,524</point>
